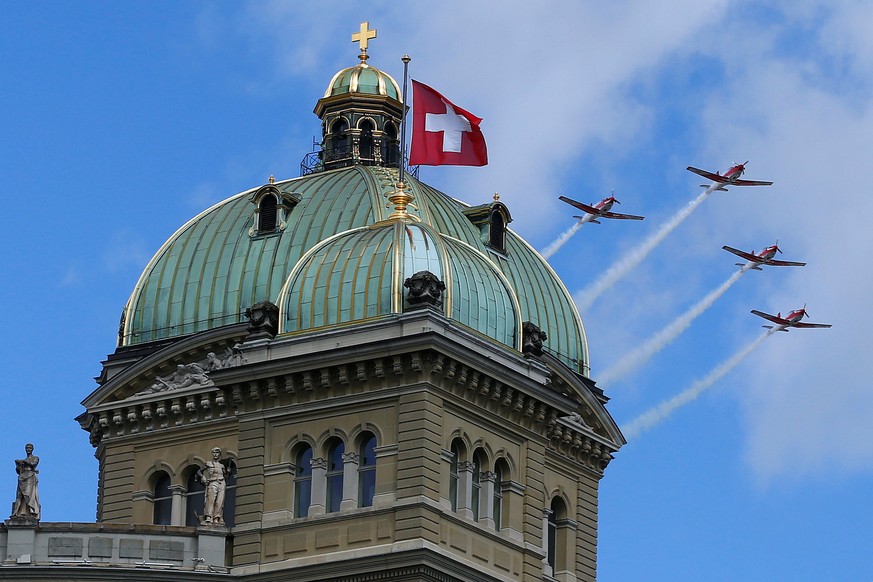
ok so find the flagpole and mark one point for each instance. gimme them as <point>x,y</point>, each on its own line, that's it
<point>405,60</point>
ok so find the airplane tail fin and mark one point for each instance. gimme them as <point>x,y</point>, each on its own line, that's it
<point>594,220</point>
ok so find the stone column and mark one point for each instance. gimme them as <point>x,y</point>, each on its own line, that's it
<point>547,568</point>
<point>465,488</point>
<point>487,481</point>
<point>177,507</point>
<point>350,481</point>
<point>319,486</point>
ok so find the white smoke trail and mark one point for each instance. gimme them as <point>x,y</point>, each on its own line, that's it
<point>660,412</point>
<point>586,297</point>
<point>663,338</point>
<point>564,237</point>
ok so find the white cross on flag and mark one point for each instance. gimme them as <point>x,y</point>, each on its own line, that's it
<point>443,133</point>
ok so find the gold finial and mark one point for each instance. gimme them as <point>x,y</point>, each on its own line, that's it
<point>400,198</point>
<point>496,197</point>
<point>272,179</point>
<point>362,38</point>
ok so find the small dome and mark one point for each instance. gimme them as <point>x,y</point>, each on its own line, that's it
<point>359,274</point>
<point>362,78</point>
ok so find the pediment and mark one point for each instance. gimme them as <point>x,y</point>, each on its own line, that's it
<point>181,365</point>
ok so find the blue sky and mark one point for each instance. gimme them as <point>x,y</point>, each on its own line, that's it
<point>121,120</point>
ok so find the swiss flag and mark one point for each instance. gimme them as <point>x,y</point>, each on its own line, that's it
<point>443,133</point>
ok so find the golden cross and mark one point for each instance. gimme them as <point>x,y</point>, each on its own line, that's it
<point>364,36</point>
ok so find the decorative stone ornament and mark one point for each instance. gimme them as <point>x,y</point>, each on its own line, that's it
<point>263,320</point>
<point>192,374</point>
<point>425,289</point>
<point>532,338</point>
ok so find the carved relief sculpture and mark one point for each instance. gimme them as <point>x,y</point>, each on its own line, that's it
<point>26,506</point>
<point>425,288</point>
<point>193,374</point>
<point>532,339</point>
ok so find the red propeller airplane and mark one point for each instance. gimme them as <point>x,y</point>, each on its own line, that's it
<point>793,319</point>
<point>599,210</point>
<point>729,178</point>
<point>765,257</point>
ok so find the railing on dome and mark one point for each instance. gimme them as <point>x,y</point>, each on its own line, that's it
<point>342,156</point>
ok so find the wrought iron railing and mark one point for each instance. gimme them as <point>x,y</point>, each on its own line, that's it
<point>338,157</point>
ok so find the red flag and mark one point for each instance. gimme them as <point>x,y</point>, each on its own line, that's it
<point>443,133</point>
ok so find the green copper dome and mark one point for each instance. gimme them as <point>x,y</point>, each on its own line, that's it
<point>359,274</point>
<point>364,79</point>
<point>331,256</point>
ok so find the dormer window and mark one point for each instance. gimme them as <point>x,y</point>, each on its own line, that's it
<point>497,231</point>
<point>268,217</point>
<point>272,210</point>
<point>491,220</point>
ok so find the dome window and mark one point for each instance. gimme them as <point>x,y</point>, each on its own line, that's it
<point>267,214</point>
<point>391,146</point>
<point>273,209</point>
<point>365,143</point>
<point>491,219</point>
<point>497,231</point>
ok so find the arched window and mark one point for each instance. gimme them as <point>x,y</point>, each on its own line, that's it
<point>477,484</point>
<point>497,500</point>
<point>303,481</point>
<point>556,536</point>
<point>195,498</point>
<point>497,231</point>
<point>267,214</point>
<point>391,146</point>
<point>453,474</point>
<point>339,131</point>
<point>334,476</point>
<point>163,499</point>
<point>367,471</point>
<point>365,143</point>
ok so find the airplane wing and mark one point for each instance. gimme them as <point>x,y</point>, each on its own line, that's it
<point>708,175</point>
<point>815,325</point>
<point>773,318</point>
<point>618,216</point>
<point>743,254</point>
<point>579,205</point>
<point>776,263</point>
<point>751,183</point>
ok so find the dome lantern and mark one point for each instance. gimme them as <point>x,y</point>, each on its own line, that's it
<point>360,112</point>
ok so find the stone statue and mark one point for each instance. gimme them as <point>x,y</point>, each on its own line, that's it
<point>26,506</point>
<point>213,477</point>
